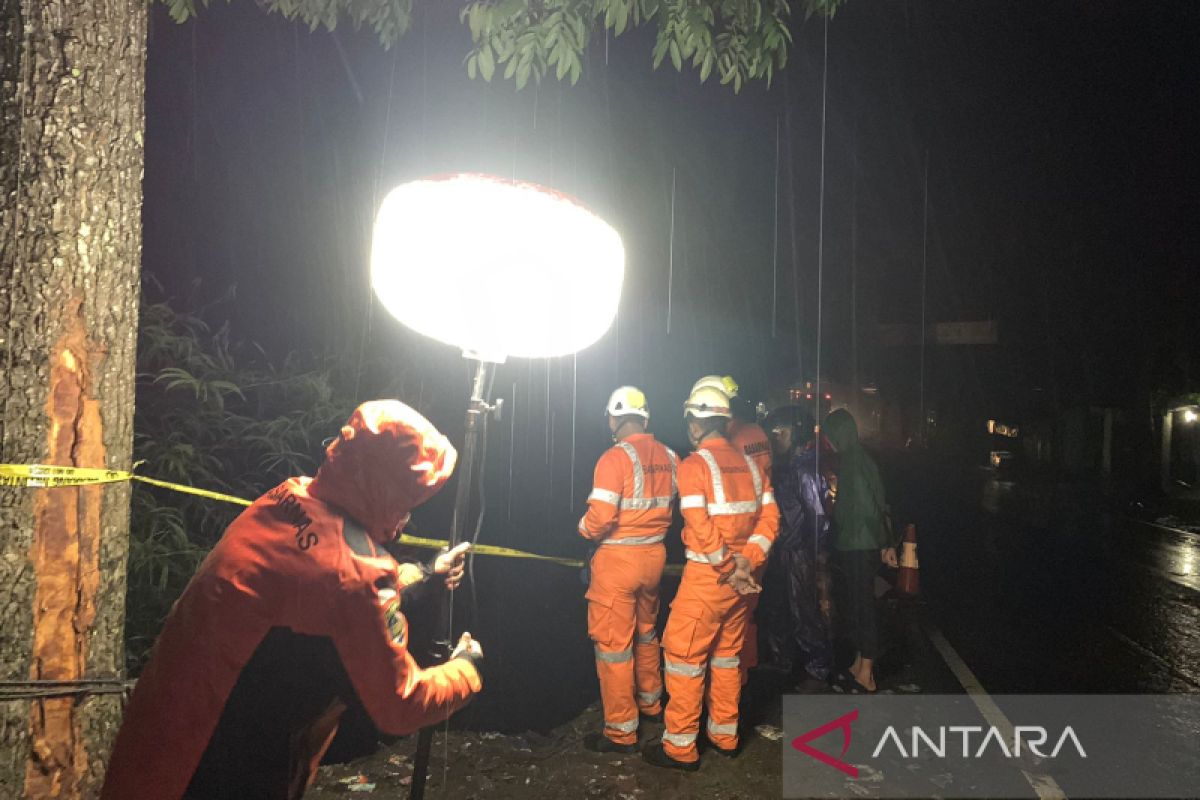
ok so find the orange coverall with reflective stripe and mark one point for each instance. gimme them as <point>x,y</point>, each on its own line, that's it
<point>727,510</point>
<point>629,511</point>
<point>752,440</point>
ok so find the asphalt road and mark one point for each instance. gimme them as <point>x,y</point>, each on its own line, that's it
<point>1041,590</point>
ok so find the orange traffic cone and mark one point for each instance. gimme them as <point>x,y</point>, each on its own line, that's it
<point>907,581</point>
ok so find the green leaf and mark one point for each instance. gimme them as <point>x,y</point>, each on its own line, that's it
<point>660,50</point>
<point>676,59</point>
<point>487,64</point>
<point>471,59</point>
<point>523,74</point>
<point>622,17</point>
<point>474,20</point>
<point>707,66</point>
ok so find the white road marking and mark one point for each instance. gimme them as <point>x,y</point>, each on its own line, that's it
<point>1044,786</point>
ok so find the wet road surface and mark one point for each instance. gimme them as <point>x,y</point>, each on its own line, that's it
<point>1042,590</point>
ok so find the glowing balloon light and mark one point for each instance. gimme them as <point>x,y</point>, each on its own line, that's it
<point>496,267</point>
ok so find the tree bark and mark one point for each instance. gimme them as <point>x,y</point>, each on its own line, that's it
<point>71,125</point>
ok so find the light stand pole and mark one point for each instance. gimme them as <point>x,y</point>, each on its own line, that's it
<point>498,291</point>
<point>476,409</point>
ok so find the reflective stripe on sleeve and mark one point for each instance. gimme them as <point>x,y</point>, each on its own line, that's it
<point>605,496</point>
<point>728,729</point>
<point>763,542</point>
<point>619,657</point>
<point>623,727</point>
<point>768,498</point>
<point>680,739</point>
<point>725,662</point>
<point>714,558</point>
<point>691,501</point>
<point>679,668</point>
<point>653,539</point>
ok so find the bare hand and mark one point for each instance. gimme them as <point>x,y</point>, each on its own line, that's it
<point>467,645</point>
<point>744,583</point>
<point>740,578</point>
<point>826,608</point>
<point>741,581</point>
<point>451,564</point>
<point>888,556</point>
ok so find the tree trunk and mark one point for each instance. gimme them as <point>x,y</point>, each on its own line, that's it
<point>71,125</point>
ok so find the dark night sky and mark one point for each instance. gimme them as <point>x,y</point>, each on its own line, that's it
<point>1063,192</point>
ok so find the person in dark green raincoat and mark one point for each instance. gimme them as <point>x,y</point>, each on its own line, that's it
<point>860,541</point>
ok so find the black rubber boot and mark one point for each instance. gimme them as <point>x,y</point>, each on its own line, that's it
<point>651,717</point>
<point>721,751</point>
<point>656,756</point>
<point>599,743</point>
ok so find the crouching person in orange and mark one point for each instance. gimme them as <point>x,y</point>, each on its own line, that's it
<point>730,521</point>
<point>295,614</point>
<point>629,511</point>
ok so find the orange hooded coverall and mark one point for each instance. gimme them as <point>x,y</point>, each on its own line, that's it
<point>727,509</point>
<point>629,511</point>
<point>294,614</point>
<point>751,439</point>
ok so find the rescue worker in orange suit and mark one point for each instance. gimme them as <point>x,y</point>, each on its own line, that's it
<point>751,439</point>
<point>296,613</point>
<point>629,511</point>
<point>730,521</point>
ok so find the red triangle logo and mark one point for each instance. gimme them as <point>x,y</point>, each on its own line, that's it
<point>843,722</point>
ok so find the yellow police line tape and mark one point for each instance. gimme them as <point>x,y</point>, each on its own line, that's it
<point>44,476</point>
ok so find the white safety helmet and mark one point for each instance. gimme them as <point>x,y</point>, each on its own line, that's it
<point>707,401</point>
<point>626,400</point>
<point>722,383</point>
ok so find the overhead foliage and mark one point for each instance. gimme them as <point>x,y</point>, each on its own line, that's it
<point>737,40</point>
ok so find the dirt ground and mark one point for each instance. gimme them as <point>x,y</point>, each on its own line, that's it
<point>495,765</point>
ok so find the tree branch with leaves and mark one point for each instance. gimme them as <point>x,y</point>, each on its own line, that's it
<point>737,40</point>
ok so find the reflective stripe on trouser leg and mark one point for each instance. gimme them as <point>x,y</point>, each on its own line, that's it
<point>724,688</point>
<point>648,673</point>
<point>647,654</point>
<point>685,659</point>
<point>612,631</point>
<point>616,728</point>
<point>685,684</point>
<point>617,696</point>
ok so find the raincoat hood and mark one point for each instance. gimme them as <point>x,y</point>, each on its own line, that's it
<point>387,461</point>
<point>841,430</point>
